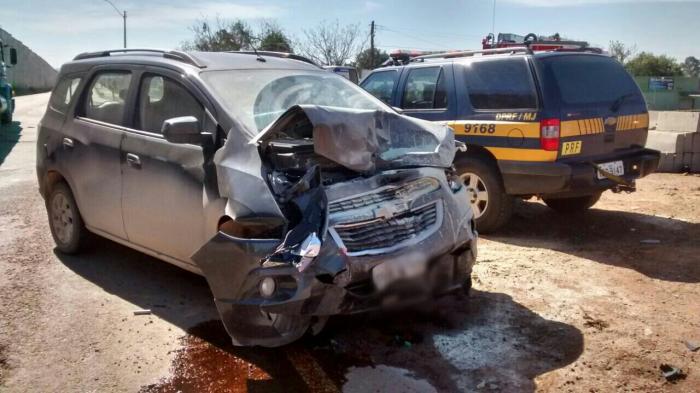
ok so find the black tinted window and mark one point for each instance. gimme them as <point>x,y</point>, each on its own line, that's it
<point>107,96</point>
<point>585,79</point>
<point>501,84</point>
<point>161,99</point>
<point>63,93</point>
<point>381,85</point>
<point>425,89</point>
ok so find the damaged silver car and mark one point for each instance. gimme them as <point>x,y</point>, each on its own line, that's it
<point>296,194</point>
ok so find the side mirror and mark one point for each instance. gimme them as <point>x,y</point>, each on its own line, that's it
<point>13,56</point>
<point>182,130</point>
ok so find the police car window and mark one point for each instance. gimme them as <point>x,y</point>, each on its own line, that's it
<point>381,85</point>
<point>591,80</point>
<point>64,93</point>
<point>501,84</point>
<point>425,89</point>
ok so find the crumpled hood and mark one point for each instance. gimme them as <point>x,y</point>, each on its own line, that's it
<point>366,140</point>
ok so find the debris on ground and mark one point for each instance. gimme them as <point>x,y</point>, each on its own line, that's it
<point>671,373</point>
<point>595,323</point>
<point>143,312</point>
<point>692,346</point>
<point>650,241</point>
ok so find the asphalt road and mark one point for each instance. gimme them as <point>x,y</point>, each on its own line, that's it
<point>558,305</point>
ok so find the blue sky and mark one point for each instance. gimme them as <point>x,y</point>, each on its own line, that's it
<point>59,29</point>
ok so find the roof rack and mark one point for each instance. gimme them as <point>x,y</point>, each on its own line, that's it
<point>283,55</point>
<point>168,54</point>
<point>450,55</point>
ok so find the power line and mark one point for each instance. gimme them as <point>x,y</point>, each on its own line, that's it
<point>383,28</point>
<point>429,32</point>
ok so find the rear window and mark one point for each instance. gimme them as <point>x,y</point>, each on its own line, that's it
<point>63,93</point>
<point>590,79</point>
<point>501,84</point>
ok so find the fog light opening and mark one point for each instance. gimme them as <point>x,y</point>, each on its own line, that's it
<point>268,286</point>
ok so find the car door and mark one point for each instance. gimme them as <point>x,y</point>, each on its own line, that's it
<point>90,149</point>
<point>428,92</point>
<point>163,197</point>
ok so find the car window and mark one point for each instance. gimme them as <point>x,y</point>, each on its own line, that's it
<point>63,93</point>
<point>107,96</point>
<point>591,80</point>
<point>501,84</point>
<point>381,85</point>
<point>160,99</point>
<point>425,89</point>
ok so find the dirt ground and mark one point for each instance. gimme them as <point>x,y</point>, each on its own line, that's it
<point>580,304</point>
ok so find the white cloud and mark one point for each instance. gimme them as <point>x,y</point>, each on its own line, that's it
<point>371,6</point>
<point>573,3</point>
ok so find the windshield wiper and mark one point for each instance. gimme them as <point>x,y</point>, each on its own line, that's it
<point>618,102</point>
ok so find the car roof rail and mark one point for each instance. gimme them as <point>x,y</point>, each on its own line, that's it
<point>283,55</point>
<point>168,54</point>
<point>451,55</point>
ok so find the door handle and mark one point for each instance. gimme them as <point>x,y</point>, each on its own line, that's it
<point>133,160</point>
<point>67,143</point>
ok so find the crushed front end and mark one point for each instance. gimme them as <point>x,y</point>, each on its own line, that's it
<point>365,226</point>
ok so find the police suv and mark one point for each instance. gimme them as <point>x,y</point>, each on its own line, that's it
<point>564,124</point>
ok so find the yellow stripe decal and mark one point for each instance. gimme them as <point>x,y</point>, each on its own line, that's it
<point>496,128</point>
<point>515,154</point>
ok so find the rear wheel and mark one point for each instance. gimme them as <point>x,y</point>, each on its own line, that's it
<point>67,227</point>
<point>573,205</point>
<point>491,205</point>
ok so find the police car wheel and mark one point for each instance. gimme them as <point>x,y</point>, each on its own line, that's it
<point>491,206</point>
<point>572,205</point>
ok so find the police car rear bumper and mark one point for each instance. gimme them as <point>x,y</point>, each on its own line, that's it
<point>573,178</point>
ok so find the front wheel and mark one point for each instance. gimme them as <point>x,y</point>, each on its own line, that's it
<point>491,206</point>
<point>572,205</point>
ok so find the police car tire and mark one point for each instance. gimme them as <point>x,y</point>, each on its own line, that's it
<point>572,205</point>
<point>500,204</point>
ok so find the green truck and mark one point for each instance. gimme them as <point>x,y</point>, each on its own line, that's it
<point>7,102</point>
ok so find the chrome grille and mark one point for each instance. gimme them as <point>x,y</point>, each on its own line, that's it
<point>408,190</point>
<point>382,233</point>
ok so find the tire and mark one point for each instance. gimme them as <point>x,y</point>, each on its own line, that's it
<point>572,205</point>
<point>67,226</point>
<point>491,205</point>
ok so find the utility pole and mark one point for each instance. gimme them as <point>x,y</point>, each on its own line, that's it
<point>123,15</point>
<point>371,45</point>
<point>124,29</point>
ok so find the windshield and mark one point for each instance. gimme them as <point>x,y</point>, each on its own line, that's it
<point>258,97</point>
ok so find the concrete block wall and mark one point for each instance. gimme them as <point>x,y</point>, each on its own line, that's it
<point>677,135</point>
<point>32,73</point>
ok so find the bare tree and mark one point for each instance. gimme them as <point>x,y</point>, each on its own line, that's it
<point>331,43</point>
<point>621,51</point>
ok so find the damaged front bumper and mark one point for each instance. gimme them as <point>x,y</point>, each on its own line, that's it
<point>397,236</point>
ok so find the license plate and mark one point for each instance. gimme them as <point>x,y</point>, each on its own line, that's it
<point>408,267</point>
<point>569,148</point>
<point>616,168</point>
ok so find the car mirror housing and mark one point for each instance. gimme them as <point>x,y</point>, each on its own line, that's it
<point>184,129</point>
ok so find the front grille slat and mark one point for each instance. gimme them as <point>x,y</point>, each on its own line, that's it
<point>377,234</point>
